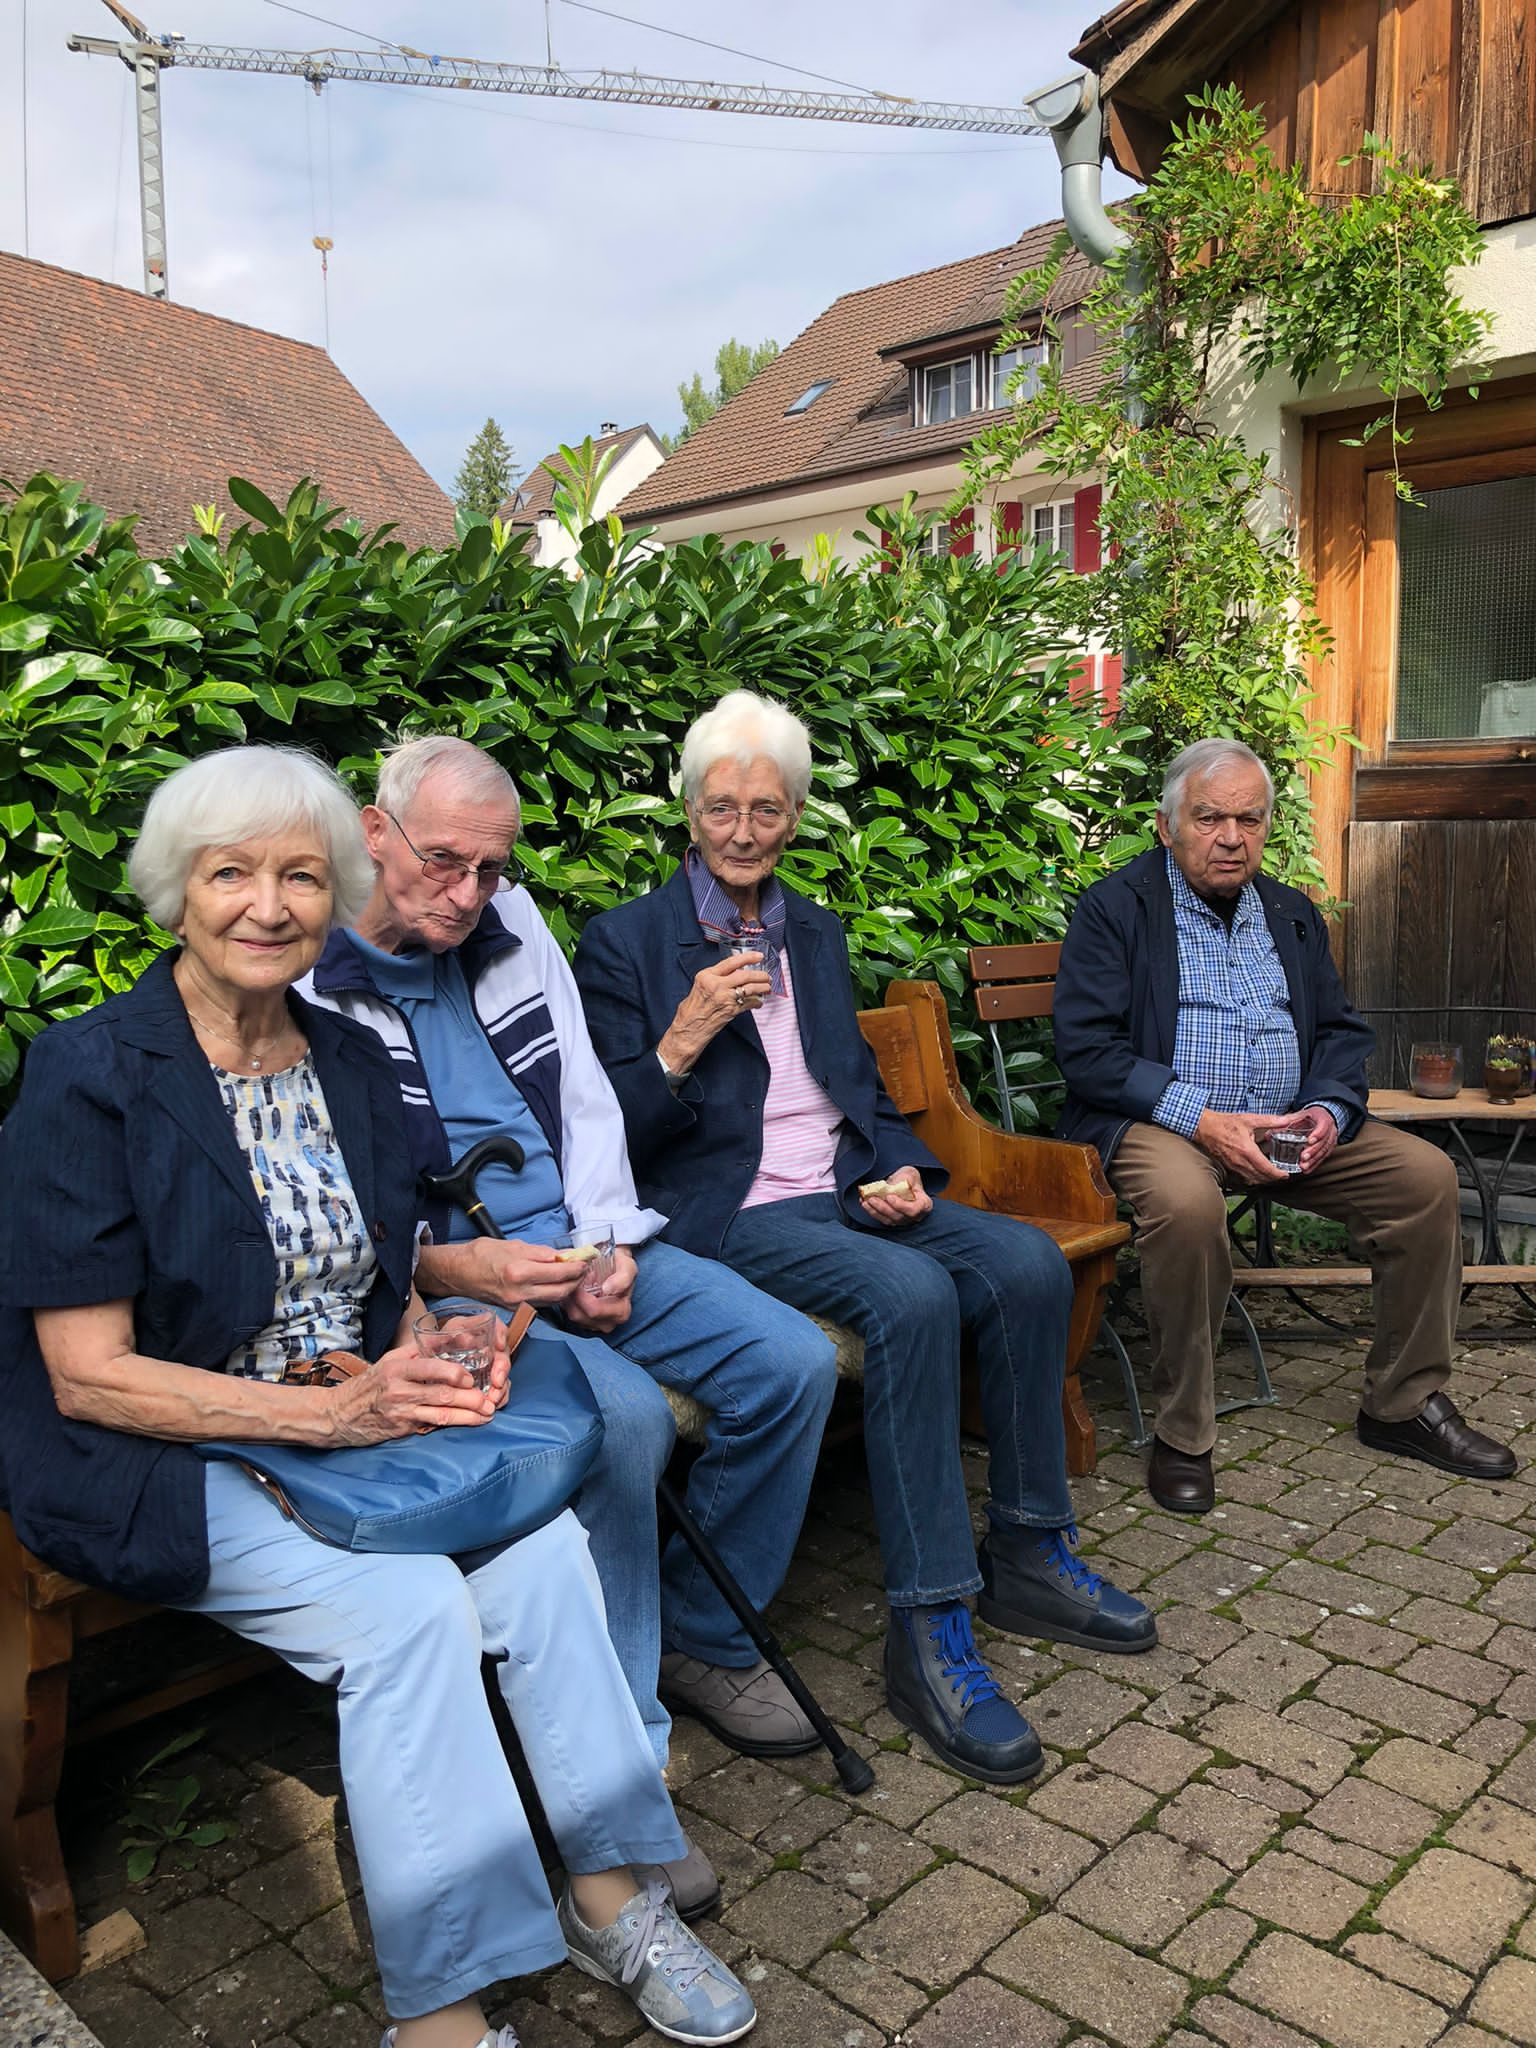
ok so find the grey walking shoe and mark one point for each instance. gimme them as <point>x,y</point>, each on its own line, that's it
<point>691,1880</point>
<point>750,1708</point>
<point>676,1983</point>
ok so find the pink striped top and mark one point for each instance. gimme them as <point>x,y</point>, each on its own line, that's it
<point>801,1122</point>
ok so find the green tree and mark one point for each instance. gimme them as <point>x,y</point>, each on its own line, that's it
<point>484,481</point>
<point>1234,268</point>
<point>736,364</point>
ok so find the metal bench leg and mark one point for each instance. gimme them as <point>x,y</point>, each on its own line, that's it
<point>1140,1435</point>
<point>1265,1397</point>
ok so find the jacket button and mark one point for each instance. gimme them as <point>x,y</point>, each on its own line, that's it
<point>380,1232</point>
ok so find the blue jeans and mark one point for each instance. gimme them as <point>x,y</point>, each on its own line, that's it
<point>766,1376</point>
<point>910,1292</point>
<point>457,1898</point>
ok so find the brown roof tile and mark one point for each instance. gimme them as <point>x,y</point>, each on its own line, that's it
<point>152,406</point>
<point>536,492</point>
<point>864,419</point>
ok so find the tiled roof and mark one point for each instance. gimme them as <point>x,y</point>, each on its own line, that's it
<point>864,420</point>
<point>152,406</point>
<point>536,492</point>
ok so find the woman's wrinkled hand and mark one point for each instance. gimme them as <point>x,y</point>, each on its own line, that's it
<point>404,1393</point>
<point>719,993</point>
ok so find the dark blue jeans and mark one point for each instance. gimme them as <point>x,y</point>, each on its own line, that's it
<point>910,1292</point>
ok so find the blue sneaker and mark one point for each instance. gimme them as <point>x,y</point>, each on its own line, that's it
<point>1035,1584</point>
<point>937,1685</point>
<point>678,1985</point>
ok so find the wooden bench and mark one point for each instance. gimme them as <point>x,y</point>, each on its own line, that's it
<point>44,1614</point>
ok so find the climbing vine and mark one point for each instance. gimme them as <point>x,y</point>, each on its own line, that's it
<point>1232,269</point>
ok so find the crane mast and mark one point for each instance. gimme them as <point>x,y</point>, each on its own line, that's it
<point>147,56</point>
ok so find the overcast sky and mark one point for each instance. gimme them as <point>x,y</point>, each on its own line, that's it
<point>550,263</point>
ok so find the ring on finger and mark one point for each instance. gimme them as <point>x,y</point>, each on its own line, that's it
<point>741,999</point>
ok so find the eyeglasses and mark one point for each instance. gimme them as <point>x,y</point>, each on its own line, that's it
<point>447,867</point>
<point>766,816</point>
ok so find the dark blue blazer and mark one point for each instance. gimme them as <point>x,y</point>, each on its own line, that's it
<point>1117,1004</point>
<point>120,1178</point>
<point>696,1153</point>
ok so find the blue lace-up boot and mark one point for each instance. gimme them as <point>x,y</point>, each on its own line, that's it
<point>1035,1584</point>
<point>937,1685</point>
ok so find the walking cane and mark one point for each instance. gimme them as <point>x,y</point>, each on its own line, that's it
<point>457,1186</point>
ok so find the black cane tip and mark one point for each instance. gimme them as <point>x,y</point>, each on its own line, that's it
<point>854,1772</point>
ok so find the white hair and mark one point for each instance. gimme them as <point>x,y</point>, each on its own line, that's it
<point>1199,759</point>
<point>472,772</point>
<point>239,794</point>
<point>743,727</point>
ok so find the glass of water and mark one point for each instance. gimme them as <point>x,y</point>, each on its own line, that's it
<point>465,1337</point>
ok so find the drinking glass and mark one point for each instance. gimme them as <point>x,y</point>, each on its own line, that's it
<point>1285,1149</point>
<point>464,1337</point>
<point>593,1244</point>
<point>1434,1070</point>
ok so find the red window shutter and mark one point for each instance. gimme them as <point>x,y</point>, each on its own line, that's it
<point>1111,673</point>
<point>1010,534</point>
<point>1086,553</point>
<point>1080,681</point>
<point>962,531</point>
<point>887,549</point>
<point>776,548</point>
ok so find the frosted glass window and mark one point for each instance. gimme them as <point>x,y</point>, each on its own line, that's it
<point>1466,640</point>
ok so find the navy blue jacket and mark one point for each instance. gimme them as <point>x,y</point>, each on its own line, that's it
<point>1117,1004</point>
<point>120,1178</point>
<point>696,1153</point>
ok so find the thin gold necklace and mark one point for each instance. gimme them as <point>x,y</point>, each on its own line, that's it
<point>254,1054</point>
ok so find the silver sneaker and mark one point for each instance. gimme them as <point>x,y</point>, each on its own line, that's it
<point>677,1984</point>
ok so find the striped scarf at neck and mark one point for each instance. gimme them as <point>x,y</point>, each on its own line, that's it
<point>720,920</point>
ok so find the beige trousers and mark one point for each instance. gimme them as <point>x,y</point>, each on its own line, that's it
<point>1396,1194</point>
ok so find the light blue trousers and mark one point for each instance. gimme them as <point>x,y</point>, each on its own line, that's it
<point>456,1894</point>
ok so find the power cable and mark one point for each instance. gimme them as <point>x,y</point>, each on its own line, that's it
<point>774,63</point>
<point>367,35</point>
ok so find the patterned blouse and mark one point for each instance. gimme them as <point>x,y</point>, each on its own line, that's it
<point>325,1257</point>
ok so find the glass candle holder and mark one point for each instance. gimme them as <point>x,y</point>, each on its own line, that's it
<point>1434,1071</point>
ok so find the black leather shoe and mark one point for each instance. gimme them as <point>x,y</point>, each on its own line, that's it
<point>1438,1436</point>
<point>937,1685</point>
<point>1035,1584</point>
<point>1180,1481</point>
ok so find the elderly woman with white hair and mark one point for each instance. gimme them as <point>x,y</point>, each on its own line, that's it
<point>722,1006</point>
<point>205,1192</point>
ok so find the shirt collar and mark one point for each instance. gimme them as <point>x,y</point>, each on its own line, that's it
<point>1249,904</point>
<point>409,977</point>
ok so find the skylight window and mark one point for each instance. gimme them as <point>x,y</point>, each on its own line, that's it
<point>809,396</point>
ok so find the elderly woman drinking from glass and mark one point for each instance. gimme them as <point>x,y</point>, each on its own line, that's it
<point>203,1187</point>
<point>722,1006</point>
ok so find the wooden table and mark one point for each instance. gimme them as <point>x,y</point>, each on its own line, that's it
<point>1400,1106</point>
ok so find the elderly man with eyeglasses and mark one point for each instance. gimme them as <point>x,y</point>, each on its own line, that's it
<point>1199,1022</point>
<point>455,969</point>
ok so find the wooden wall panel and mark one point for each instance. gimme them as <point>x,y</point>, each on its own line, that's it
<point>1268,74</point>
<point>1507,107</point>
<point>1371,931</point>
<point>1520,969</point>
<point>1479,928</point>
<point>1418,109</point>
<point>1344,99</point>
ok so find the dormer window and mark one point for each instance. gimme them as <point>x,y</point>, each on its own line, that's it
<point>949,390</point>
<point>1021,363</point>
<point>809,396</point>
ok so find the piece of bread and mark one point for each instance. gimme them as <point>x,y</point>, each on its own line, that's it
<point>571,1253</point>
<point>874,1187</point>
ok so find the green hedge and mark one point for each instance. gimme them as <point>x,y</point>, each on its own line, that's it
<point>962,795</point>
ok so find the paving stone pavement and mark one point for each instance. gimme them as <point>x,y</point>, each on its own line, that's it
<point>1308,1817</point>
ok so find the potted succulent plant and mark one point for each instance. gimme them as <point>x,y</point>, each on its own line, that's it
<point>1506,1068</point>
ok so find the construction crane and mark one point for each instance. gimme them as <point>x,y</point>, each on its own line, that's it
<point>147,56</point>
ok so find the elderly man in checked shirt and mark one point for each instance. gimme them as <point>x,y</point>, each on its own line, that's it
<point>1198,1012</point>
